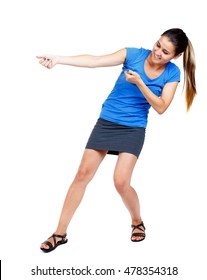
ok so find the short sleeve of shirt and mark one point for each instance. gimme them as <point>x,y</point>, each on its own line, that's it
<point>134,55</point>
<point>173,74</point>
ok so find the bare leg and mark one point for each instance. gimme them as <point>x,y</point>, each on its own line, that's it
<point>122,178</point>
<point>89,164</point>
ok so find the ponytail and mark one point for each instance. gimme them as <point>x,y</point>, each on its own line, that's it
<point>189,67</point>
<point>183,45</point>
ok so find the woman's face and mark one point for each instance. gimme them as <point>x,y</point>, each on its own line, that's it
<point>163,51</point>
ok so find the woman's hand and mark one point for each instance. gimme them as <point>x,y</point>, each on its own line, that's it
<point>48,61</point>
<point>133,77</point>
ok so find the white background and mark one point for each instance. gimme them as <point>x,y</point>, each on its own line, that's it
<point>46,117</point>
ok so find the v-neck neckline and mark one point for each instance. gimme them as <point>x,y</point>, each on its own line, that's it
<point>152,79</point>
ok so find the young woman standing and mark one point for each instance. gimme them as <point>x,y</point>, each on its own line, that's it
<point>148,79</point>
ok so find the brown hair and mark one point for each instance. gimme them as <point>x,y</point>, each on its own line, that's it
<point>183,45</point>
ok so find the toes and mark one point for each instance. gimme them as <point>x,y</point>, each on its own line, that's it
<point>44,246</point>
<point>136,238</point>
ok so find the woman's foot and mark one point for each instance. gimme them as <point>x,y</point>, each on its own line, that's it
<point>138,232</point>
<point>53,242</point>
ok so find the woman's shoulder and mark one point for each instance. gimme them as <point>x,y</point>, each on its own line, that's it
<point>172,72</point>
<point>136,53</point>
<point>173,67</point>
<point>137,50</point>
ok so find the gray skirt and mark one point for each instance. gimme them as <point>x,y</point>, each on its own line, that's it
<point>116,138</point>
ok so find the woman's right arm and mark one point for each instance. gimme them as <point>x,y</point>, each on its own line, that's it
<point>89,61</point>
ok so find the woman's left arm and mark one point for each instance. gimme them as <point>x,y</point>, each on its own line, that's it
<point>160,104</point>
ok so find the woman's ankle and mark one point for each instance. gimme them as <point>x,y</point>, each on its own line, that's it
<point>136,221</point>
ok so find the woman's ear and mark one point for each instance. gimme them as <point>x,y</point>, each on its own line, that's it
<point>177,56</point>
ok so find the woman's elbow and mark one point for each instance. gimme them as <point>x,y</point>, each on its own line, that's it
<point>161,109</point>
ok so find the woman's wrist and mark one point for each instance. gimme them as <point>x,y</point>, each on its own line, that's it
<point>140,83</point>
<point>60,59</point>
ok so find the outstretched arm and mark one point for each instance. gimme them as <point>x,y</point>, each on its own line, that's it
<point>90,61</point>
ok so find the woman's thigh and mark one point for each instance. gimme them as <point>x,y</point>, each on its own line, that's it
<point>90,162</point>
<point>124,169</point>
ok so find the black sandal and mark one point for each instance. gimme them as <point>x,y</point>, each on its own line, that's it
<point>141,234</point>
<point>56,244</point>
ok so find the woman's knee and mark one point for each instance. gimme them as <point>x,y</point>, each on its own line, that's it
<point>121,184</point>
<point>84,174</point>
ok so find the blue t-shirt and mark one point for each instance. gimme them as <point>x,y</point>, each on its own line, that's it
<point>126,104</point>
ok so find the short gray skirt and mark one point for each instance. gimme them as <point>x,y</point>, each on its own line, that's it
<point>116,138</point>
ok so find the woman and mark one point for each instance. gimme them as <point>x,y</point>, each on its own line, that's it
<point>148,78</point>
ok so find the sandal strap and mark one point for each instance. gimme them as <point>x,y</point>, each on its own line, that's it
<point>54,236</point>
<point>48,243</point>
<point>138,234</point>
<point>138,227</point>
<point>59,236</point>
